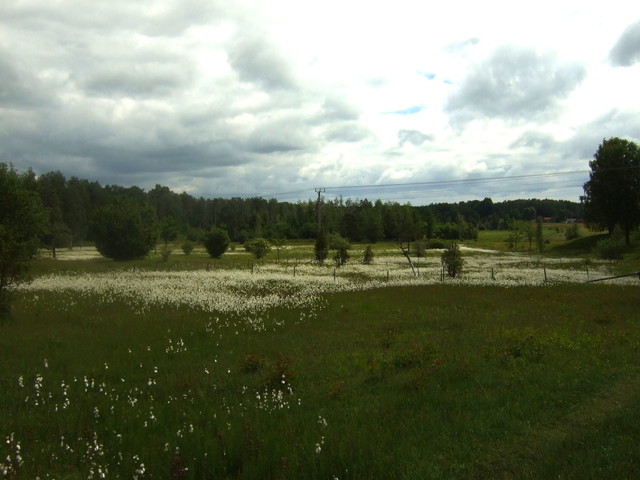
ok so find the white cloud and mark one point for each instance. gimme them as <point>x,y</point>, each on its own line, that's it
<point>257,97</point>
<point>626,51</point>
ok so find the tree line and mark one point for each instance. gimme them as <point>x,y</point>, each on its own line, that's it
<point>72,206</point>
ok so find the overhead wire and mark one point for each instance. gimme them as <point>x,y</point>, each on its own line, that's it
<point>376,186</point>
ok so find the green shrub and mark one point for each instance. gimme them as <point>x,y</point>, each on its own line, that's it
<point>187,248</point>
<point>452,260</point>
<point>572,232</point>
<point>341,247</point>
<point>367,258</point>
<point>216,242</point>
<point>258,246</point>
<point>125,230</point>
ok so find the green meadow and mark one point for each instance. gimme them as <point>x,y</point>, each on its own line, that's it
<point>412,381</point>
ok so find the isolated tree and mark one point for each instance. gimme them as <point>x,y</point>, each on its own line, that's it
<point>368,256</point>
<point>452,260</point>
<point>258,246</point>
<point>341,248</point>
<point>612,193</point>
<point>23,220</point>
<point>125,229</point>
<point>216,242</point>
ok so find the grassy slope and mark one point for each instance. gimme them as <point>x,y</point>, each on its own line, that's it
<point>424,382</point>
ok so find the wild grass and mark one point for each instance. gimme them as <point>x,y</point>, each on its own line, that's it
<point>425,381</point>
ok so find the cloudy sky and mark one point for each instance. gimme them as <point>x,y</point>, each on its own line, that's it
<point>400,100</point>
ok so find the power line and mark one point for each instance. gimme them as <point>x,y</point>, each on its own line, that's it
<point>435,182</point>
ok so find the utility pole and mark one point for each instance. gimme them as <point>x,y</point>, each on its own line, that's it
<point>319,191</point>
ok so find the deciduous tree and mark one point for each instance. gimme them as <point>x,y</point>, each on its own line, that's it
<point>23,220</point>
<point>125,229</point>
<point>612,193</point>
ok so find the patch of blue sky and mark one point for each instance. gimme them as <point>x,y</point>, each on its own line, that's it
<point>407,111</point>
<point>427,75</point>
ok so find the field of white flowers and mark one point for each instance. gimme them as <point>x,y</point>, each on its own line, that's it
<point>197,401</point>
<point>265,285</point>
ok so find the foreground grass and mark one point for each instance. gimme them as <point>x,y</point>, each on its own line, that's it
<point>413,382</point>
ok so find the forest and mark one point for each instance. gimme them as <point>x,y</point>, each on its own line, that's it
<point>71,203</point>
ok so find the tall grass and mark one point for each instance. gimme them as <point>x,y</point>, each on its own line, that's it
<point>432,381</point>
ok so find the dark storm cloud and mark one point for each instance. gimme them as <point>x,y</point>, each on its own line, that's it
<point>514,83</point>
<point>256,60</point>
<point>266,141</point>
<point>147,80</point>
<point>151,18</point>
<point>626,51</point>
<point>415,137</point>
<point>19,88</point>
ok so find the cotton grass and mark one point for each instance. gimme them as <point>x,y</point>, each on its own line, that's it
<point>301,285</point>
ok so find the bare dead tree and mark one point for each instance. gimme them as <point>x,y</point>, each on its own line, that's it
<point>406,252</point>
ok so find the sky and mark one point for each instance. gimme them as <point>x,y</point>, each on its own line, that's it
<point>407,101</point>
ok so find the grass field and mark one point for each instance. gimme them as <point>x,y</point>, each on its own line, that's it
<point>173,378</point>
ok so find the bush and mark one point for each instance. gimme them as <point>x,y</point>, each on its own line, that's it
<point>435,244</point>
<point>216,242</point>
<point>452,260</point>
<point>125,230</point>
<point>572,232</point>
<point>341,247</point>
<point>187,248</point>
<point>258,246</point>
<point>367,258</point>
